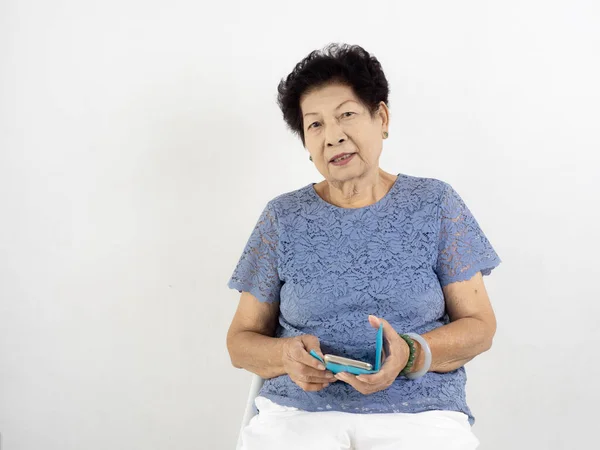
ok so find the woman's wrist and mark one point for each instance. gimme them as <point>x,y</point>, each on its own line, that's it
<point>411,350</point>
<point>419,359</point>
<point>425,354</point>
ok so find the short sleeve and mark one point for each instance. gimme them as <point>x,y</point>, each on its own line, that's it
<point>256,271</point>
<point>463,248</point>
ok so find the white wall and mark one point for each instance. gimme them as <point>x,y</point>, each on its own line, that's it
<point>139,141</point>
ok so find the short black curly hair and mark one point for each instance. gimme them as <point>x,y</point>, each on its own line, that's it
<point>347,64</point>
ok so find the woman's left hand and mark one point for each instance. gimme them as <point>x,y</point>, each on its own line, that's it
<point>397,351</point>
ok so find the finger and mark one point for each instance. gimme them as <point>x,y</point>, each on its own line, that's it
<point>385,377</point>
<point>361,387</point>
<point>374,321</point>
<point>374,379</point>
<point>389,334</point>
<point>311,342</point>
<point>307,368</point>
<point>299,354</point>
<point>310,375</point>
<point>381,378</point>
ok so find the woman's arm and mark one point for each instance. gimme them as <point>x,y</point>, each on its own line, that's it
<point>252,347</point>
<point>250,338</point>
<point>470,332</point>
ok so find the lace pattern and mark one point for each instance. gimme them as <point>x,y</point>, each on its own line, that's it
<point>330,267</point>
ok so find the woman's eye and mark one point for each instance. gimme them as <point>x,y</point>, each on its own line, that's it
<point>350,113</point>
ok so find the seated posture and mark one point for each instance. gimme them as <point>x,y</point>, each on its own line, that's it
<point>330,263</point>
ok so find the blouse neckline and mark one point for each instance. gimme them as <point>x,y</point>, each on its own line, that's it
<point>331,205</point>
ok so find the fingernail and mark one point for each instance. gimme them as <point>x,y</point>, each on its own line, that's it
<point>330,375</point>
<point>325,385</point>
<point>321,367</point>
<point>361,379</point>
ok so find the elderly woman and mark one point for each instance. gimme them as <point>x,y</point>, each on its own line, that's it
<point>328,263</point>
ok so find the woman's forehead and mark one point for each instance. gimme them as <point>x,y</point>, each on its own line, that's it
<point>326,98</point>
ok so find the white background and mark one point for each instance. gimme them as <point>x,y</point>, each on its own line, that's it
<point>140,140</point>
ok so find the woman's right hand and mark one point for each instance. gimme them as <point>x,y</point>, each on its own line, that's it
<point>305,370</point>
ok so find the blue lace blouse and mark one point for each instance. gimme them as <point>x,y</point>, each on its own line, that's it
<point>330,267</point>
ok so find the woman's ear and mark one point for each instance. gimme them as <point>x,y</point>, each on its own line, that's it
<point>384,112</point>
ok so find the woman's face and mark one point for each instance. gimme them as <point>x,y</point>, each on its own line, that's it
<point>335,122</point>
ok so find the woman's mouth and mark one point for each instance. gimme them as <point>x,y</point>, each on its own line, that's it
<point>343,160</point>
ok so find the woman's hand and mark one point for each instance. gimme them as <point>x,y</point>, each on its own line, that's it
<point>305,370</point>
<point>397,351</point>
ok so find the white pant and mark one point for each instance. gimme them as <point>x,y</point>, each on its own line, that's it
<point>279,427</point>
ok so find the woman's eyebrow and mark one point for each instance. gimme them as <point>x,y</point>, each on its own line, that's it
<point>338,107</point>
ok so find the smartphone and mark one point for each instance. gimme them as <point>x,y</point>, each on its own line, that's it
<point>347,362</point>
<point>339,364</point>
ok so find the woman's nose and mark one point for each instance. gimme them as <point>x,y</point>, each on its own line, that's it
<point>334,134</point>
<point>332,143</point>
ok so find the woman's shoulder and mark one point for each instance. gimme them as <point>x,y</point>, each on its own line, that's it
<point>420,186</point>
<point>293,199</point>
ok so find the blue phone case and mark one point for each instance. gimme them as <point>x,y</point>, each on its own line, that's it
<point>336,368</point>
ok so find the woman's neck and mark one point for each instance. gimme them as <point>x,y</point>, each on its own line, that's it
<point>358,192</point>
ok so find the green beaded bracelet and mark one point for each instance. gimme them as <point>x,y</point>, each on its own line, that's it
<point>411,356</point>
